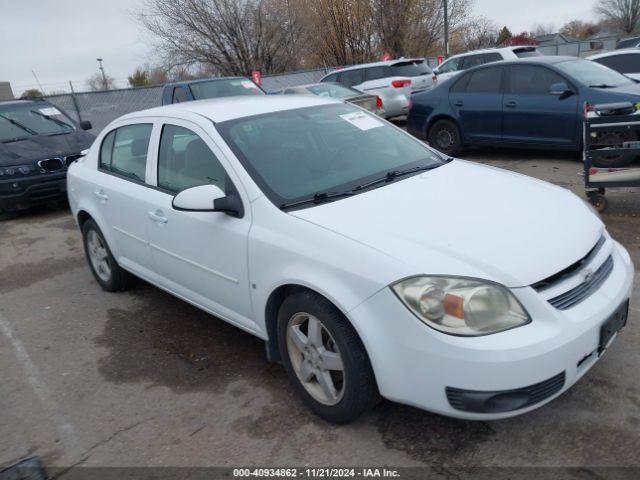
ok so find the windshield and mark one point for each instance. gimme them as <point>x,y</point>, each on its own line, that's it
<point>413,68</point>
<point>333,90</point>
<point>296,154</point>
<point>23,120</point>
<point>593,74</point>
<point>224,88</point>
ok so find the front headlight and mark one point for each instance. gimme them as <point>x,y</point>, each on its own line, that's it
<point>461,306</point>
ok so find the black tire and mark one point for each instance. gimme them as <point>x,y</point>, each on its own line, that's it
<point>119,278</point>
<point>360,390</point>
<point>445,137</point>
<point>614,139</point>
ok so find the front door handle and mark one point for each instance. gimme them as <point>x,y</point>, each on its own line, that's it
<point>158,217</point>
<point>459,103</point>
<point>511,105</point>
<point>100,195</point>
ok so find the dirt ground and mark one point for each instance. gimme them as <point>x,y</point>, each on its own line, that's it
<point>143,379</point>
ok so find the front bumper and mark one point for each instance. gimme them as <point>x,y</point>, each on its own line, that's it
<point>415,364</point>
<point>23,192</point>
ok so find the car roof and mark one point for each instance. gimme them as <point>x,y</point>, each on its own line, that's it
<point>377,64</point>
<point>203,80</point>
<point>492,49</point>
<point>613,52</point>
<point>230,108</point>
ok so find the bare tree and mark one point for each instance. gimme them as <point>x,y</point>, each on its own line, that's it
<point>623,15</point>
<point>97,83</point>
<point>477,33</point>
<point>580,29</point>
<point>231,37</point>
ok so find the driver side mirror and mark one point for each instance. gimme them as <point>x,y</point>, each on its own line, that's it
<point>560,89</point>
<point>86,125</point>
<point>208,198</point>
<point>436,71</point>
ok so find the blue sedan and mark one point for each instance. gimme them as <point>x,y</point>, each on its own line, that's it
<point>535,102</point>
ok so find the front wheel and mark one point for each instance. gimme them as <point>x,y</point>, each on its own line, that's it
<point>324,358</point>
<point>444,136</point>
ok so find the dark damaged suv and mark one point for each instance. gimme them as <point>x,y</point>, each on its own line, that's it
<point>37,143</point>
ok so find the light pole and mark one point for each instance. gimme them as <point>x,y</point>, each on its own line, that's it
<point>104,77</point>
<point>446,29</point>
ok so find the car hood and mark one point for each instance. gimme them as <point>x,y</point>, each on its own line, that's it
<point>39,147</point>
<point>469,220</point>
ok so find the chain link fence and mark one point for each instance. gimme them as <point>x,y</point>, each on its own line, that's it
<point>101,108</point>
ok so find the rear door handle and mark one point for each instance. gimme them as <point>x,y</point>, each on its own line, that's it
<point>158,217</point>
<point>459,103</point>
<point>511,105</point>
<point>100,195</point>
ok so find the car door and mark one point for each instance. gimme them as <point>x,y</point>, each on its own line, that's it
<point>120,191</point>
<point>200,256</point>
<point>532,114</point>
<point>352,78</point>
<point>476,99</point>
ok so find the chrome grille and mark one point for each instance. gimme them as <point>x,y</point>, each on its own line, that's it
<point>51,165</point>
<point>586,288</point>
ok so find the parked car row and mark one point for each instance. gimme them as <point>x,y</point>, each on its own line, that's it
<point>535,102</point>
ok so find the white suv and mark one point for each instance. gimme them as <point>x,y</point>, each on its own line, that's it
<point>360,255</point>
<point>456,64</point>
<point>393,81</point>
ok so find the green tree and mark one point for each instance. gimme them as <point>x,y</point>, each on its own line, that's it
<point>139,78</point>
<point>32,93</point>
<point>504,35</point>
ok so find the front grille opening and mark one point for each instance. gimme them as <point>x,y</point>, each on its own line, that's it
<point>571,269</point>
<point>51,165</point>
<point>586,288</point>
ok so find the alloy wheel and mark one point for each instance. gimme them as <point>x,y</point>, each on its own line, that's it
<point>98,256</point>
<point>315,358</point>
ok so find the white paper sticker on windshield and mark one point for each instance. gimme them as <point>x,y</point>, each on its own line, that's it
<point>247,84</point>
<point>361,120</point>
<point>50,111</point>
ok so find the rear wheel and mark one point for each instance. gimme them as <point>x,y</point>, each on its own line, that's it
<point>444,136</point>
<point>325,358</point>
<point>104,267</point>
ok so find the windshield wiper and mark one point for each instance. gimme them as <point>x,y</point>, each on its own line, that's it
<point>392,175</point>
<point>318,198</point>
<point>19,125</point>
<point>602,85</point>
<point>54,120</point>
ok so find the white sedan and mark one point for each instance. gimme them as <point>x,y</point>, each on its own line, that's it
<point>368,263</point>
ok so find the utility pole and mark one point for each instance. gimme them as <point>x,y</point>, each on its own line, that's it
<point>446,29</point>
<point>104,77</point>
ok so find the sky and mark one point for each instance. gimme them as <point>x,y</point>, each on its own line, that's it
<point>60,40</point>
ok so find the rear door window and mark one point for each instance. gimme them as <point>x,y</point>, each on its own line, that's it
<point>471,61</point>
<point>376,73</point>
<point>352,77</point>
<point>491,57</point>
<point>124,151</point>
<point>485,80</point>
